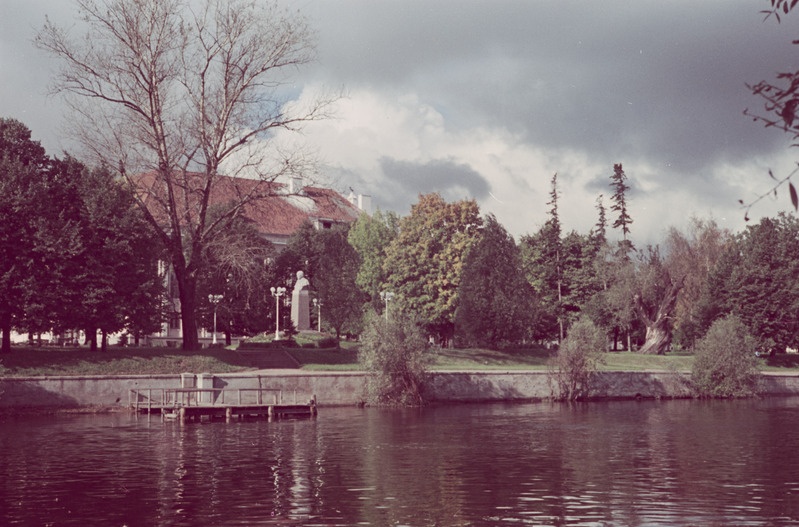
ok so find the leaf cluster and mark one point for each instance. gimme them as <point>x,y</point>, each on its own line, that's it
<point>572,370</point>
<point>725,364</point>
<point>394,351</point>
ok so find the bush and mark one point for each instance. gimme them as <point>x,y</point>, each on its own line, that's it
<point>574,367</point>
<point>327,342</point>
<point>395,353</point>
<point>725,364</point>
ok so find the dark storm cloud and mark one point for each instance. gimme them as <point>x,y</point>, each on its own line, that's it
<point>406,180</point>
<point>658,86</point>
<point>623,81</point>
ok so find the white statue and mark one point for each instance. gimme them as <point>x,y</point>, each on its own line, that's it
<point>300,303</point>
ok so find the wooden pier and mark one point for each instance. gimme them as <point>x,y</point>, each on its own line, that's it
<point>188,404</point>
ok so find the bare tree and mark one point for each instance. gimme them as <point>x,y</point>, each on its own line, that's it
<point>180,92</point>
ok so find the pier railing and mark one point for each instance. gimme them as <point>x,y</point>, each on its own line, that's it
<point>149,398</point>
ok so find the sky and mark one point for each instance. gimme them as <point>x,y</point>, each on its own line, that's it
<point>486,100</point>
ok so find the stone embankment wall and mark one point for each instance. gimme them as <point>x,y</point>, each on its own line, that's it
<point>336,388</point>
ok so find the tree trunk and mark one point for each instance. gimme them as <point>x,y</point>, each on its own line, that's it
<point>103,340</point>
<point>5,325</point>
<point>91,338</point>
<point>187,290</point>
<point>658,328</point>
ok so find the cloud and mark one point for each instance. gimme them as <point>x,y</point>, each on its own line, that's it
<point>454,181</point>
<point>490,99</point>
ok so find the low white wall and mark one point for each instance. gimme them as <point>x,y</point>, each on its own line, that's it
<point>346,388</point>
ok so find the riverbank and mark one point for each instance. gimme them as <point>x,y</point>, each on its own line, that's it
<point>345,388</point>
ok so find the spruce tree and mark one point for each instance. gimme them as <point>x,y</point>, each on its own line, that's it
<point>619,199</point>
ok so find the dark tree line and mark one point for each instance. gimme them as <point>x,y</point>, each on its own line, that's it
<point>76,252</point>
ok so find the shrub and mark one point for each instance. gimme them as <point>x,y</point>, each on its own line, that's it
<point>725,364</point>
<point>395,354</point>
<point>579,356</point>
<point>327,342</point>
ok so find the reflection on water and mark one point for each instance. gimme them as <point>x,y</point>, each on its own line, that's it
<point>672,463</point>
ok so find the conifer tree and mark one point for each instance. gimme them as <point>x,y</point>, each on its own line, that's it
<point>542,257</point>
<point>619,199</point>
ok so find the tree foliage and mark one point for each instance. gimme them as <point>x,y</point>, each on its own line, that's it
<point>371,236</point>
<point>542,254</point>
<point>181,92</point>
<point>573,369</point>
<point>655,299</point>
<point>725,364</point>
<point>22,163</point>
<point>331,265</point>
<point>693,255</point>
<point>424,263</point>
<point>618,182</point>
<point>394,352</point>
<point>780,99</point>
<point>78,252</point>
<point>237,266</point>
<point>117,264</point>
<point>757,279</point>
<point>496,303</point>
<point>336,265</point>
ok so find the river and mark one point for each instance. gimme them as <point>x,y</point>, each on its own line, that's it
<point>645,463</point>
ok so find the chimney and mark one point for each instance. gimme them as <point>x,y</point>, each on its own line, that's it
<point>365,203</point>
<point>295,185</point>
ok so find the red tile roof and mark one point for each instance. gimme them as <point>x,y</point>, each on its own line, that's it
<point>274,211</point>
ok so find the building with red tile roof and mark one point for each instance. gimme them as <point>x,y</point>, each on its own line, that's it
<point>277,209</point>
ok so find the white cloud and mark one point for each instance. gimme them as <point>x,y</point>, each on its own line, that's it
<point>370,127</point>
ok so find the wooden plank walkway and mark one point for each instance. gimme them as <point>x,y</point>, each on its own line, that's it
<point>188,404</point>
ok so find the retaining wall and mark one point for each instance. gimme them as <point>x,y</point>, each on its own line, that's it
<point>346,388</point>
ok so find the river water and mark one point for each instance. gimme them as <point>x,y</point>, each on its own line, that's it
<point>650,463</point>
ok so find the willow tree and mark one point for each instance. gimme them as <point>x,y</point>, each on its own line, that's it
<point>183,91</point>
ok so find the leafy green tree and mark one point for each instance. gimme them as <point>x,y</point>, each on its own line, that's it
<point>655,299</point>
<point>596,273</point>
<point>238,267</point>
<point>572,370</point>
<point>618,298</point>
<point>394,352</point>
<point>693,255</point>
<point>120,284</point>
<point>496,303</point>
<point>424,263</point>
<point>331,265</point>
<point>757,279</point>
<point>725,363</point>
<point>22,161</point>
<point>334,279</point>
<point>371,236</point>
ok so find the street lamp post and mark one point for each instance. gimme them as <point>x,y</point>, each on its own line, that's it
<point>215,299</point>
<point>318,304</point>
<point>277,292</point>
<point>387,296</point>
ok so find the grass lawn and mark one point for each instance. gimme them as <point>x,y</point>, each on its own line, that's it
<point>27,361</point>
